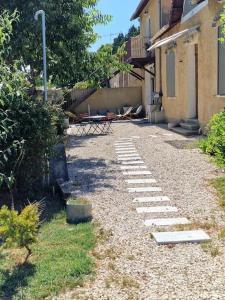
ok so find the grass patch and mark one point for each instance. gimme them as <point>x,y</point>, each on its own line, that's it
<point>219,185</point>
<point>60,260</point>
<point>211,249</point>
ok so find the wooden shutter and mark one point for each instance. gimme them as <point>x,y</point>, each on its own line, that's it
<point>221,66</point>
<point>170,73</point>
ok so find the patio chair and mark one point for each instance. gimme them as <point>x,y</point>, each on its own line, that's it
<point>126,115</point>
<point>137,112</point>
<point>111,116</point>
<point>72,117</point>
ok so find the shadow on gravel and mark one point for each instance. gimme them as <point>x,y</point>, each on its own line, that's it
<point>183,144</point>
<point>77,141</point>
<point>90,174</point>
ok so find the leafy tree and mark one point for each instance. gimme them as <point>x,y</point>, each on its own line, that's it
<point>69,34</point>
<point>121,38</point>
<point>103,65</point>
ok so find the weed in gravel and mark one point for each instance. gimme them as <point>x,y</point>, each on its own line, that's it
<point>213,250</point>
<point>219,185</point>
<point>196,225</point>
<point>123,281</point>
<point>131,257</point>
<point>221,234</point>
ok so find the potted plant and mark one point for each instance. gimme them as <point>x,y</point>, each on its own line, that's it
<point>78,210</point>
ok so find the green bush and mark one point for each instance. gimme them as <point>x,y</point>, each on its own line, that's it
<point>19,230</point>
<point>214,144</point>
<point>28,129</point>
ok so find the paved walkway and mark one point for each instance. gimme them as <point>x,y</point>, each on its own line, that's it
<point>130,263</point>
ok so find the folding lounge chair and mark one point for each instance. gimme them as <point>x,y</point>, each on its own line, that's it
<point>71,116</point>
<point>137,112</point>
<point>126,115</point>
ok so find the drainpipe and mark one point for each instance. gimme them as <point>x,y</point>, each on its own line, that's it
<point>37,14</point>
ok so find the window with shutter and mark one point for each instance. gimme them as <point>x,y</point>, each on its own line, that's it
<point>170,73</point>
<point>221,65</point>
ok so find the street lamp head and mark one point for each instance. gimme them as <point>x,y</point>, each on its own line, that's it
<point>39,12</point>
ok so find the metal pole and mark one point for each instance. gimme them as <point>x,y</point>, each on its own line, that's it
<point>42,13</point>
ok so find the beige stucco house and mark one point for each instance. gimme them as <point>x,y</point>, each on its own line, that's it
<point>187,65</point>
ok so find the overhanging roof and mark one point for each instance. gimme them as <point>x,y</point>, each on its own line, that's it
<point>174,37</point>
<point>139,9</point>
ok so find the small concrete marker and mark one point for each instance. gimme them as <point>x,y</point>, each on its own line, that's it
<point>153,136</point>
<point>157,209</point>
<point>131,158</point>
<point>132,167</point>
<point>176,237</point>
<point>144,189</point>
<point>152,199</point>
<point>135,162</point>
<point>141,181</point>
<point>119,152</point>
<point>137,173</point>
<point>127,155</point>
<point>166,222</point>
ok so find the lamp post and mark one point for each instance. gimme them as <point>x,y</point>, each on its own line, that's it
<point>37,14</point>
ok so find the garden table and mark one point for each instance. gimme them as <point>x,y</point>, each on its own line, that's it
<point>91,125</point>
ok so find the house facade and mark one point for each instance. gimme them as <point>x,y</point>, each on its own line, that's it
<point>187,76</point>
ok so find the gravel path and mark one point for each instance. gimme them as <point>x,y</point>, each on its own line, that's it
<point>129,263</point>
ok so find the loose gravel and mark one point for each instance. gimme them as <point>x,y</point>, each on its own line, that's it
<point>130,265</point>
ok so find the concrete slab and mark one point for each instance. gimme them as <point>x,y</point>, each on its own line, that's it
<point>127,155</point>
<point>125,148</point>
<point>132,167</point>
<point>175,237</point>
<point>137,173</point>
<point>135,162</point>
<point>123,144</point>
<point>144,189</point>
<point>136,137</point>
<point>152,136</point>
<point>152,199</point>
<point>131,158</point>
<point>166,222</point>
<point>119,152</point>
<point>141,181</point>
<point>157,209</point>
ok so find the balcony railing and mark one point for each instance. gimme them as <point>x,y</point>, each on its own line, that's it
<point>137,47</point>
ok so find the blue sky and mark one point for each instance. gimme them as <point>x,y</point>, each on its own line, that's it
<point>121,11</point>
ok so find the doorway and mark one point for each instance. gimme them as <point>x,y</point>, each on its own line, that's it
<point>192,81</point>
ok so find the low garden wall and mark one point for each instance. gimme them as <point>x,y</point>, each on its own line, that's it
<point>111,99</point>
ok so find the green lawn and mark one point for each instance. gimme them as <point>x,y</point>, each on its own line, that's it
<point>60,260</point>
<point>219,185</point>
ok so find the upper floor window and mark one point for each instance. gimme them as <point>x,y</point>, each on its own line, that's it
<point>165,7</point>
<point>171,73</point>
<point>191,7</point>
<point>221,65</point>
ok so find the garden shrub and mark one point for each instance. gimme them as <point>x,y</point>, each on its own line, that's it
<point>28,128</point>
<point>19,229</point>
<point>214,144</point>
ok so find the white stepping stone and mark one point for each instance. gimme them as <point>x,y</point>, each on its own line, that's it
<point>132,167</point>
<point>136,137</point>
<point>167,222</point>
<point>153,136</point>
<point>157,209</point>
<point>122,152</point>
<point>126,149</point>
<point>167,134</point>
<point>152,199</point>
<point>175,237</point>
<point>137,173</point>
<point>144,189</point>
<point>131,158</point>
<point>131,181</point>
<point>124,144</point>
<point>127,155</point>
<point>128,138</point>
<point>135,162</point>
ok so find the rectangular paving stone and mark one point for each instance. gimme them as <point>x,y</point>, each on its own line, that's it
<point>137,173</point>
<point>128,155</point>
<point>130,158</point>
<point>166,222</point>
<point>135,162</point>
<point>132,167</point>
<point>119,152</point>
<point>157,209</point>
<point>152,199</point>
<point>176,237</point>
<point>124,144</point>
<point>131,181</point>
<point>144,189</point>
<point>126,149</point>
<point>153,136</point>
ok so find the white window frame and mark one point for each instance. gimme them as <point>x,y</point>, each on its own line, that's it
<point>194,11</point>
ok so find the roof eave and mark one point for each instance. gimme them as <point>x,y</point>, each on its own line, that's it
<point>139,9</point>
